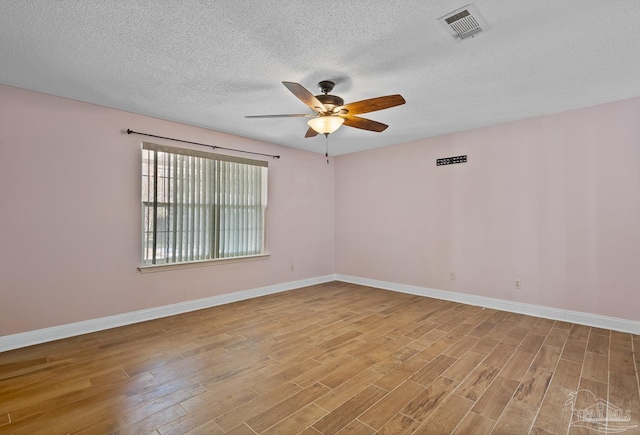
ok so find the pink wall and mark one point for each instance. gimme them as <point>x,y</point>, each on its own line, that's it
<point>70,215</point>
<point>553,201</point>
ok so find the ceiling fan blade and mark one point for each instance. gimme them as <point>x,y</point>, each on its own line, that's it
<point>296,115</point>
<point>305,96</point>
<point>364,124</point>
<point>373,104</point>
<point>311,133</point>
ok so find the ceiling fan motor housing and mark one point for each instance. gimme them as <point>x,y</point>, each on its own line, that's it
<point>330,101</point>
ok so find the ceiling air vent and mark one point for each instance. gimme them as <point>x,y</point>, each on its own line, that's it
<point>463,23</point>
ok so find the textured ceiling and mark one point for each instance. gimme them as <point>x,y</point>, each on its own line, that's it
<point>209,63</point>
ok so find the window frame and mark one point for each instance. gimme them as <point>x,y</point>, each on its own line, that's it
<point>224,163</point>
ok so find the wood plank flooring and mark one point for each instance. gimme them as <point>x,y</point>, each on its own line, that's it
<point>334,358</point>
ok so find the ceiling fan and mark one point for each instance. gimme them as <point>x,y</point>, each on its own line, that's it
<point>330,112</point>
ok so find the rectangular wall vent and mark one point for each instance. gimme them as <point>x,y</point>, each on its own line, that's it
<point>451,161</point>
<point>463,23</point>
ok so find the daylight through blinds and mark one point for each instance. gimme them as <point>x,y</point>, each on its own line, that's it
<point>201,206</point>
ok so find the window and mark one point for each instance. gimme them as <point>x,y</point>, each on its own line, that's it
<point>201,206</point>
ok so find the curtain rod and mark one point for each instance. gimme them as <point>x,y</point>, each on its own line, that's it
<point>201,144</point>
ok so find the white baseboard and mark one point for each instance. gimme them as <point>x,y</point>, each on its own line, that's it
<point>29,338</point>
<point>23,339</point>
<point>595,320</point>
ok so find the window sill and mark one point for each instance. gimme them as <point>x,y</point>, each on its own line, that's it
<point>203,263</point>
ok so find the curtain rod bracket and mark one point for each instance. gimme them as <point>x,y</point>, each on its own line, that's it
<point>129,131</point>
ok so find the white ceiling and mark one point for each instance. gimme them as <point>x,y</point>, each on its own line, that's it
<point>209,63</point>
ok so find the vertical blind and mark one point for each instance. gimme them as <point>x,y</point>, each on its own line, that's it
<point>201,206</point>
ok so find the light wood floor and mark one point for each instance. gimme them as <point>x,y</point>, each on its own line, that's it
<point>333,358</point>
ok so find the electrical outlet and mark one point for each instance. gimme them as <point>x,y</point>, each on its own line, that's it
<point>453,276</point>
<point>518,284</point>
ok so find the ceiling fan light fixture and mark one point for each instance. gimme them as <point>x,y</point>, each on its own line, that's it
<point>325,124</point>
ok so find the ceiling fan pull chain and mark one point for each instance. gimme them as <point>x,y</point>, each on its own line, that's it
<point>326,140</point>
